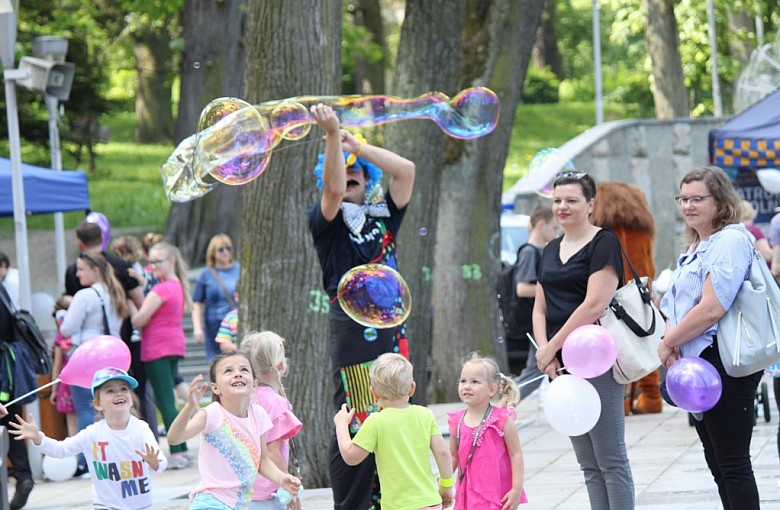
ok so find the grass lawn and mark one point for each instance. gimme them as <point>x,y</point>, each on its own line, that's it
<point>538,126</point>
<point>127,188</point>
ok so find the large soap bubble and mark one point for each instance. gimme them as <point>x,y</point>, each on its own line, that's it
<point>543,167</point>
<point>235,139</point>
<point>375,296</point>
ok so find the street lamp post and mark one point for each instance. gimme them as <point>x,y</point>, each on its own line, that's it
<point>54,49</point>
<point>10,75</point>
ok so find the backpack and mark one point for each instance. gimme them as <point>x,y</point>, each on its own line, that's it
<point>27,332</point>
<point>515,311</point>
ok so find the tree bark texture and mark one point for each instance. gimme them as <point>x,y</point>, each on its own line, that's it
<point>427,59</point>
<point>153,111</point>
<point>212,66</point>
<point>289,54</point>
<point>545,52</point>
<point>495,51</point>
<point>663,44</point>
<point>370,76</point>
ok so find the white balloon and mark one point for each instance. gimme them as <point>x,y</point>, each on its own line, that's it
<point>769,179</point>
<point>572,405</point>
<point>58,470</point>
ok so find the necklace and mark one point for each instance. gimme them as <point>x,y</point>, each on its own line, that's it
<point>462,470</point>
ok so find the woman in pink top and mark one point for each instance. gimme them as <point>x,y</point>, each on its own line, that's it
<point>162,338</point>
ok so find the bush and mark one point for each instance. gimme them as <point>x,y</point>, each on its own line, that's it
<point>577,89</point>
<point>635,94</point>
<point>541,86</point>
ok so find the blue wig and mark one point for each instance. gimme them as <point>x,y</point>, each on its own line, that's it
<point>373,172</point>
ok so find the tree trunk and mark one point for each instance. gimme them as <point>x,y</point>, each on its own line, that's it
<point>153,113</point>
<point>370,76</point>
<point>496,51</point>
<point>427,58</point>
<point>545,51</point>
<point>663,44</point>
<point>212,66</point>
<point>281,280</point>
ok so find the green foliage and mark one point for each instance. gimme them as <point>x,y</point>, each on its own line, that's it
<point>356,41</point>
<point>126,185</point>
<point>541,86</point>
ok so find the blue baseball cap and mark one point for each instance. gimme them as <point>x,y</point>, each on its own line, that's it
<point>109,374</point>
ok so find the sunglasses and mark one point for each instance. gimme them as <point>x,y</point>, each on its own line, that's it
<point>223,249</point>
<point>568,176</point>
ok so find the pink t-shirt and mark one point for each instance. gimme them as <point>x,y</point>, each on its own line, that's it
<point>285,426</point>
<point>229,456</point>
<point>163,335</point>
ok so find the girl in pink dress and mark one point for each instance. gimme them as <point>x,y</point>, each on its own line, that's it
<point>60,393</point>
<point>484,442</point>
<point>266,350</point>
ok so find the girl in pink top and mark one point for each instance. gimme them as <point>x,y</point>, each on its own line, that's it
<point>266,350</point>
<point>162,338</point>
<point>233,447</point>
<point>484,442</point>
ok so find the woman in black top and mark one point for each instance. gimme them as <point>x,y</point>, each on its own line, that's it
<point>580,273</point>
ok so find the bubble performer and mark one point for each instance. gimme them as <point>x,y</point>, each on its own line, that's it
<point>235,139</point>
<point>354,223</point>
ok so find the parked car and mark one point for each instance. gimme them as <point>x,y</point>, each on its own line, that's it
<point>514,234</point>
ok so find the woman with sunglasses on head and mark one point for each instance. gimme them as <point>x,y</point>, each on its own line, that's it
<point>213,294</point>
<point>579,274</point>
<point>162,337</point>
<point>704,285</point>
<point>97,309</point>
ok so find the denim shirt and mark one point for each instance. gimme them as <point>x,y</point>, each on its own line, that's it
<point>725,257</point>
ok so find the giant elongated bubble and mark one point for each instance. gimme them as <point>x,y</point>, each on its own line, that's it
<point>234,141</point>
<point>375,296</point>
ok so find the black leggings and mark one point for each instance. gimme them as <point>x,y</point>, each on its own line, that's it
<point>776,387</point>
<point>725,432</point>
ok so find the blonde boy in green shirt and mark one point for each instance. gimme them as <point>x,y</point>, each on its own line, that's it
<point>401,437</point>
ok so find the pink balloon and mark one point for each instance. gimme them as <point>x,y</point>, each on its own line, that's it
<point>95,354</point>
<point>589,351</point>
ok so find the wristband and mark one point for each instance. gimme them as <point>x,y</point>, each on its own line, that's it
<point>360,150</point>
<point>446,483</point>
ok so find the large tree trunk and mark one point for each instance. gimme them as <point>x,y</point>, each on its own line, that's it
<point>370,76</point>
<point>496,51</point>
<point>545,51</point>
<point>212,66</point>
<point>427,58</point>
<point>153,112</point>
<point>663,44</point>
<point>281,280</point>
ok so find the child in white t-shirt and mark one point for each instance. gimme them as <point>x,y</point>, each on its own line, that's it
<point>120,449</point>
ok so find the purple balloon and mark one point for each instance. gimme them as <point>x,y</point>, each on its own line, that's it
<point>694,384</point>
<point>101,221</point>
<point>589,351</point>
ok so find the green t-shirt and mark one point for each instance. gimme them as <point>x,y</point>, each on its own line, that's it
<point>401,442</point>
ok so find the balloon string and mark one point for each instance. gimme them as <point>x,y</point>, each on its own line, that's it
<point>539,377</point>
<point>532,340</point>
<point>36,390</point>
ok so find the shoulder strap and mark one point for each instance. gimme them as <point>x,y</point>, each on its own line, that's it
<point>224,289</point>
<point>6,300</point>
<point>106,329</point>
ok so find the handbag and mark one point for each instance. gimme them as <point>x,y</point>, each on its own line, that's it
<point>637,326</point>
<point>748,333</point>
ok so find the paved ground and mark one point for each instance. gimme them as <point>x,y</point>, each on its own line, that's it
<point>666,458</point>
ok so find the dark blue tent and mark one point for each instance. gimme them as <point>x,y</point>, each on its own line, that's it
<point>45,190</point>
<point>750,139</point>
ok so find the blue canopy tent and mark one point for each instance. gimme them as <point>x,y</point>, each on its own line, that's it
<point>748,142</point>
<point>45,191</point>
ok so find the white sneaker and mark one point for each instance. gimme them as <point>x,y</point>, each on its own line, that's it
<point>178,461</point>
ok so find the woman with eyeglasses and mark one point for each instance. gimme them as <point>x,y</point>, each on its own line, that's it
<point>704,285</point>
<point>579,274</point>
<point>212,297</point>
<point>162,337</point>
<point>97,309</point>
